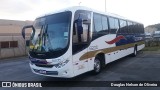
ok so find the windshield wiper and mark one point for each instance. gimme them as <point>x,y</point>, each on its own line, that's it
<point>45,34</point>
<point>38,38</point>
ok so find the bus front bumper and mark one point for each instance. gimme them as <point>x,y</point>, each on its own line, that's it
<point>63,72</point>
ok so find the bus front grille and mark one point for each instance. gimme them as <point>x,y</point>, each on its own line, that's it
<point>43,65</point>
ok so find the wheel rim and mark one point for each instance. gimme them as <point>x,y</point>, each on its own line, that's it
<point>135,52</point>
<point>97,65</point>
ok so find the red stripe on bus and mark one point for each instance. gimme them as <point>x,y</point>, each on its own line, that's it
<point>115,40</point>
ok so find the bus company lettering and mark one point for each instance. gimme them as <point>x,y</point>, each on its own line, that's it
<point>93,47</point>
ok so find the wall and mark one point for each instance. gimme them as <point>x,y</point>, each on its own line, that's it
<point>10,30</point>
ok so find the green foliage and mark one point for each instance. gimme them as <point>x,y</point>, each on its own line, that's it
<point>152,46</point>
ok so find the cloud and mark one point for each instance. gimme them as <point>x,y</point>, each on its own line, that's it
<point>145,11</point>
<point>28,9</point>
<point>14,6</point>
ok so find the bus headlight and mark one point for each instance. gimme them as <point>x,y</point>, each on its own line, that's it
<point>61,64</point>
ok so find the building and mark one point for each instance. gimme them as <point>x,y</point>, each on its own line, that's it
<point>11,42</point>
<point>150,30</point>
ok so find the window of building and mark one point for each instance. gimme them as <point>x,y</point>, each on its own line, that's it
<point>13,44</point>
<point>114,25</point>
<point>81,26</point>
<point>9,44</point>
<point>5,44</point>
<point>138,28</point>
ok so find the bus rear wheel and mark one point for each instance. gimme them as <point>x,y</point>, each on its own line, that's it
<point>134,52</point>
<point>97,66</point>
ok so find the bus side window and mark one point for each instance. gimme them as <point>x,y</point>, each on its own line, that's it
<point>105,25</point>
<point>114,25</point>
<point>81,28</point>
<point>97,26</point>
<point>78,28</point>
<point>123,27</point>
<point>100,26</point>
<point>142,29</point>
<point>130,27</point>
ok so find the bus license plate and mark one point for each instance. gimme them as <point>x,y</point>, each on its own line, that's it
<point>42,71</point>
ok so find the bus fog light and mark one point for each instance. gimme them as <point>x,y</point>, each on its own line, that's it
<point>61,64</point>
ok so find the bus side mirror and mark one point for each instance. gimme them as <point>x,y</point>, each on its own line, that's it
<point>25,27</point>
<point>86,21</point>
<point>79,26</point>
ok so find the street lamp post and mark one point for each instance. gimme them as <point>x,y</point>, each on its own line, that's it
<point>105,5</point>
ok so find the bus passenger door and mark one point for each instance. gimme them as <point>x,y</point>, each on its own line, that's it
<point>80,42</point>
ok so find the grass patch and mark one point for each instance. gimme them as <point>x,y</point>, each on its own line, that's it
<point>157,48</point>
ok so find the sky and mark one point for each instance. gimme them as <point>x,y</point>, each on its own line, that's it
<point>144,11</point>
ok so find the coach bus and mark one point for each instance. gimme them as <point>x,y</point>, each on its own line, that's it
<point>78,39</point>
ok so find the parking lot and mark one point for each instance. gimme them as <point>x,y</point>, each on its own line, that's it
<point>144,67</point>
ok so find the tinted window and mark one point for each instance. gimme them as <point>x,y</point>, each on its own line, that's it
<point>130,27</point>
<point>81,28</point>
<point>100,26</point>
<point>56,31</point>
<point>52,35</point>
<point>97,23</point>
<point>142,28</point>
<point>105,25</point>
<point>114,26</point>
<point>123,26</point>
<point>135,28</point>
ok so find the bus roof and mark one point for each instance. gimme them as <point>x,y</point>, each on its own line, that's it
<point>74,8</point>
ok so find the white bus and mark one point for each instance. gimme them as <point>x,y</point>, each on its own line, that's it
<point>76,40</point>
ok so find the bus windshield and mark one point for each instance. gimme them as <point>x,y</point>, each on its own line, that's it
<point>51,34</point>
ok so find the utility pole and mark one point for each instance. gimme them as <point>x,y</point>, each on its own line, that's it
<point>80,3</point>
<point>105,5</point>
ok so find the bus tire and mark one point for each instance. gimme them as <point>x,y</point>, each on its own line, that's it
<point>97,65</point>
<point>135,52</point>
